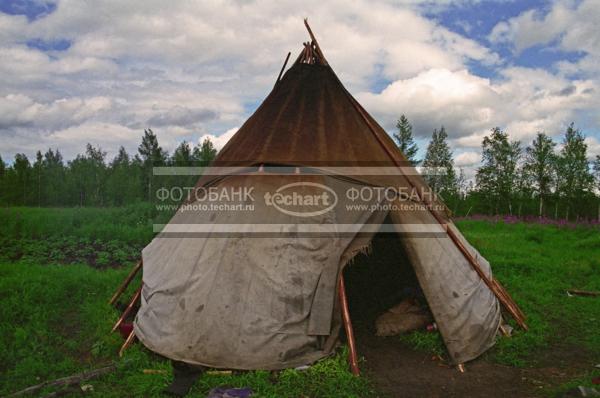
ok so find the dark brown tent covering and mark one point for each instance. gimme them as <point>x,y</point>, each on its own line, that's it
<point>257,289</point>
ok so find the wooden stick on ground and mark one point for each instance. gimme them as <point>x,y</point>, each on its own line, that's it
<point>127,343</point>
<point>66,381</point>
<point>353,359</point>
<point>578,292</point>
<point>134,299</point>
<point>126,282</point>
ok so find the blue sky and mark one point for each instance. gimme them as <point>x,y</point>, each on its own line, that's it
<point>476,21</point>
<point>101,72</point>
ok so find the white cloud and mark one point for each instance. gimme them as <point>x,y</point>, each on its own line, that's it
<point>467,159</point>
<point>593,147</point>
<point>524,101</point>
<point>17,110</point>
<point>572,25</point>
<point>219,141</point>
<point>190,70</point>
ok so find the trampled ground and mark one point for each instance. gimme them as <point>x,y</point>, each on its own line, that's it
<point>54,318</point>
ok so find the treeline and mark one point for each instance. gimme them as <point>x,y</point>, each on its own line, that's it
<point>535,180</point>
<point>91,180</point>
<point>513,179</point>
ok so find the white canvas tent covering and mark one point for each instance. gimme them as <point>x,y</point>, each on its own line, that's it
<point>257,289</point>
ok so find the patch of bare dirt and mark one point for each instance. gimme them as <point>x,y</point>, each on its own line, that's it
<point>401,371</point>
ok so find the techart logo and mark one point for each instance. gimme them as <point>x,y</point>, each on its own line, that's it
<point>302,199</point>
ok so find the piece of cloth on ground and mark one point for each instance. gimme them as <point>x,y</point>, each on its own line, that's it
<point>407,316</point>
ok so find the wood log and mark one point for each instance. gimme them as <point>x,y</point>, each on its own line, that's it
<point>66,381</point>
<point>578,292</point>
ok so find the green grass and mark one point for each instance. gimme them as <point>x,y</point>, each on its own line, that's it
<point>99,237</point>
<point>537,264</point>
<point>131,224</point>
<point>55,321</point>
<point>54,318</point>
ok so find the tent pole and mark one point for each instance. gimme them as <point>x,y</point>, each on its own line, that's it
<point>134,299</point>
<point>283,67</point>
<point>314,40</point>
<point>348,327</point>
<point>127,343</point>
<point>126,282</point>
<point>495,286</point>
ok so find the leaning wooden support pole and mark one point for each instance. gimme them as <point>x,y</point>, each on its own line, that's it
<point>126,282</point>
<point>353,359</point>
<point>496,288</point>
<point>283,67</point>
<point>127,343</point>
<point>135,298</point>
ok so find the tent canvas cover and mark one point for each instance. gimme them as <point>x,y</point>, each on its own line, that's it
<point>257,289</point>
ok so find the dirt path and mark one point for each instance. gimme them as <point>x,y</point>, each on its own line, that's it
<point>401,371</point>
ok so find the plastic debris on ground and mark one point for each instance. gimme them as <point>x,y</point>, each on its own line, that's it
<point>225,392</point>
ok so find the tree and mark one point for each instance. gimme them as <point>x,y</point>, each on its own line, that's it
<point>462,184</point>
<point>574,177</point>
<point>97,168</point>
<point>38,167</point>
<point>404,138</point>
<point>596,172</point>
<point>87,176</point>
<point>151,155</point>
<point>22,171</point>
<point>439,156</point>
<point>2,180</point>
<point>206,153</point>
<point>54,172</point>
<point>540,162</point>
<point>596,177</point>
<point>122,180</point>
<point>496,178</point>
<point>2,167</point>
<point>182,155</point>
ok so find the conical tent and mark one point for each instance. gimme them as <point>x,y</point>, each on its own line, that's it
<point>252,283</point>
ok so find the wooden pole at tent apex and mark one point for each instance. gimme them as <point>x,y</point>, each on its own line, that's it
<point>352,357</point>
<point>283,67</point>
<point>315,42</point>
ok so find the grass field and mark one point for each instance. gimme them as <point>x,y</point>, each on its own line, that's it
<point>58,268</point>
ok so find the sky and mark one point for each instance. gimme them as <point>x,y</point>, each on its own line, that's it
<point>74,71</point>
